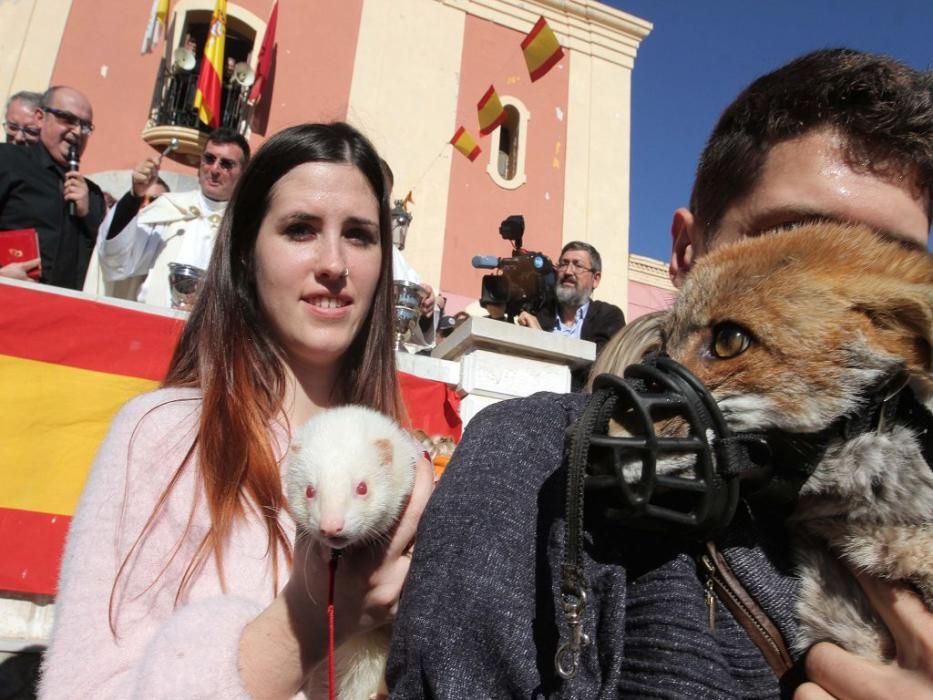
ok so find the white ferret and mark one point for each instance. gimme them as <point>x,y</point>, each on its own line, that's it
<point>350,472</point>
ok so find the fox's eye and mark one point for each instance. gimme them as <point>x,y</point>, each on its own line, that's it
<point>729,340</point>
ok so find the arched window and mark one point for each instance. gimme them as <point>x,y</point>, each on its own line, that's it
<point>507,157</point>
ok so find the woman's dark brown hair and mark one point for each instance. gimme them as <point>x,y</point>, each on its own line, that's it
<point>228,351</point>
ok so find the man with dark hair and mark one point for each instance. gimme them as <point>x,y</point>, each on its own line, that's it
<point>23,121</point>
<point>835,135</point>
<point>39,191</point>
<point>575,313</point>
<point>177,227</point>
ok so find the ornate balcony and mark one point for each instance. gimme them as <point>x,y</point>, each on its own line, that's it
<point>172,113</point>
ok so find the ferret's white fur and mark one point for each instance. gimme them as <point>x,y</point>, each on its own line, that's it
<point>334,453</point>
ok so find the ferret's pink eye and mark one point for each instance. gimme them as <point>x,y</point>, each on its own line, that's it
<point>361,488</point>
<point>310,492</point>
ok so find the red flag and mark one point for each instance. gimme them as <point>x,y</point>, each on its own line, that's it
<point>465,143</point>
<point>264,64</point>
<point>207,98</point>
<point>491,112</point>
<point>541,48</point>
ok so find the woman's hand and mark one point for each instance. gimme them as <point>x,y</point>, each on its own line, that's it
<point>289,638</point>
<point>369,579</point>
<point>836,673</point>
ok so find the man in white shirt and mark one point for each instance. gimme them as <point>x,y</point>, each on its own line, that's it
<point>178,227</point>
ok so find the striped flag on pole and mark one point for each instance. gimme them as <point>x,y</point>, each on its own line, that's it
<point>155,28</point>
<point>542,50</point>
<point>465,143</point>
<point>491,112</point>
<point>207,98</point>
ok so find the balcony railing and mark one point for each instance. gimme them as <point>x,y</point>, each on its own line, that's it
<point>172,113</point>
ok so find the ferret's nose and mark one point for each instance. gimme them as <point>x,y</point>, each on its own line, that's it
<point>331,527</point>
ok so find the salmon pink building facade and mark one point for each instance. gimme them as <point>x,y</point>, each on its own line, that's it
<point>408,73</point>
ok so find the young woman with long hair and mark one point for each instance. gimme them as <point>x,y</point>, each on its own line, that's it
<point>182,577</point>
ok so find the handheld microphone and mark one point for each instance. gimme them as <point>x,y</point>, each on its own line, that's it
<point>73,164</point>
<point>485,262</point>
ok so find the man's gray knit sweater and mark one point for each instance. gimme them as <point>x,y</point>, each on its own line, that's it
<point>479,616</point>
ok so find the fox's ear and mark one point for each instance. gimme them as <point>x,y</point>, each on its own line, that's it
<point>902,315</point>
<point>384,448</point>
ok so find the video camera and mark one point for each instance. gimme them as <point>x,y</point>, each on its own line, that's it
<point>527,279</point>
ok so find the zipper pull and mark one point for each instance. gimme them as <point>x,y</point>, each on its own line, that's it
<point>710,595</point>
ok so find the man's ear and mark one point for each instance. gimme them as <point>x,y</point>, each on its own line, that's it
<point>685,245</point>
<point>596,277</point>
<point>39,114</point>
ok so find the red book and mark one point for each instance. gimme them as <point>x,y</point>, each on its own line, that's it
<point>20,246</point>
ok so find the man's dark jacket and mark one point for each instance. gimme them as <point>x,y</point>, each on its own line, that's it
<point>602,321</point>
<point>31,196</point>
<point>480,614</point>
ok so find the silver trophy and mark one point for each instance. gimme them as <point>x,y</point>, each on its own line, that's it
<point>184,281</point>
<point>408,299</point>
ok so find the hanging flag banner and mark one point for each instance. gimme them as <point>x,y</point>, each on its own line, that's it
<point>264,63</point>
<point>207,98</point>
<point>155,28</point>
<point>491,112</point>
<point>542,50</point>
<point>466,144</point>
<point>68,362</point>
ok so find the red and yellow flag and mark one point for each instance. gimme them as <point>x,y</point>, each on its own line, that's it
<point>541,48</point>
<point>207,98</point>
<point>465,143</point>
<point>491,112</point>
<point>67,364</point>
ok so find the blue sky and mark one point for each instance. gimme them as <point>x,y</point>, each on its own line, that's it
<point>700,55</point>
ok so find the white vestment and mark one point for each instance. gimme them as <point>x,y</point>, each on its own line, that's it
<point>177,227</point>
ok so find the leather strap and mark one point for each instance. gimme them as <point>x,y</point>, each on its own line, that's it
<point>748,613</point>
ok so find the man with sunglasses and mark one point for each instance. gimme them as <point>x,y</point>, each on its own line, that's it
<point>23,121</point>
<point>577,315</point>
<point>139,241</point>
<point>38,190</point>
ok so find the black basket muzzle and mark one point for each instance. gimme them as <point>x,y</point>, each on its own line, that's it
<point>687,484</point>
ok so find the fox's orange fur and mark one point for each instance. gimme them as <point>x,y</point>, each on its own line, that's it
<point>830,311</point>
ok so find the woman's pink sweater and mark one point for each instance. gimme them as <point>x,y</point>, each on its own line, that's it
<point>162,649</point>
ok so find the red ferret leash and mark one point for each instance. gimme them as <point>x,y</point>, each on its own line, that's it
<point>331,676</point>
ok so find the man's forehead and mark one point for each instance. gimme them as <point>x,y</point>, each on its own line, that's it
<point>224,150</point>
<point>71,101</point>
<point>812,177</point>
<point>575,254</point>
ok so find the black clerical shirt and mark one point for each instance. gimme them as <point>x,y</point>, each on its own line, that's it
<point>31,196</point>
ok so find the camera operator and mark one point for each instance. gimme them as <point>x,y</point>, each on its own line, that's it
<point>575,313</point>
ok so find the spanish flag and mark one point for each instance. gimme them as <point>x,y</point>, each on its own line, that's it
<point>541,48</point>
<point>491,112</point>
<point>466,144</point>
<point>207,98</point>
<point>68,362</point>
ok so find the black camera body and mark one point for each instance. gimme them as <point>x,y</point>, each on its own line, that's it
<point>527,279</point>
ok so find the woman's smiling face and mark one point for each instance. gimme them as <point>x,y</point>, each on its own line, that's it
<point>322,223</point>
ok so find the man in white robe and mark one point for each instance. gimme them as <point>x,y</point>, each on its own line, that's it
<point>178,227</point>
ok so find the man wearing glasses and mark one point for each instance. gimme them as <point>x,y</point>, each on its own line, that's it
<point>577,315</point>
<point>23,120</point>
<point>38,190</point>
<point>139,242</point>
